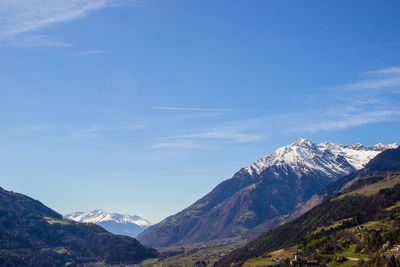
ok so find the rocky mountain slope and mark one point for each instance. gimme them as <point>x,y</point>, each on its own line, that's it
<point>386,162</point>
<point>361,221</point>
<point>271,187</point>
<point>31,234</point>
<point>120,224</point>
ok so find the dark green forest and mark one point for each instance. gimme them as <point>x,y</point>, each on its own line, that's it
<point>33,235</point>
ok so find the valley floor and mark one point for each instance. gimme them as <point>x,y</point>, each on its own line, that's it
<point>192,255</point>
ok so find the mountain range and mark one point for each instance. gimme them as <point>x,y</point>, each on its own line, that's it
<point>120,224</point>
<point>356,225</point>
<point>269,189</point>
<point>321,201</point>
<point>387,162</point>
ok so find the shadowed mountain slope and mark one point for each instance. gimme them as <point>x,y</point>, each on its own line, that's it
<point>31,234</point>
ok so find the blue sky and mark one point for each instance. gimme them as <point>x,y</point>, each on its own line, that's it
<point>144,106</point>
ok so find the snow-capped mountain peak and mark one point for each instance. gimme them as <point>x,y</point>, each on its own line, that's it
<point>327,158</point>
<point>382,147</point>
<point>98,216</point>
<point>301,142</point>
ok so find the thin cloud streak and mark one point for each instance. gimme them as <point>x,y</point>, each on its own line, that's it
<point>181,145</point>
<point>32,41</point>
<point>376,84</point>
<point>39,127</point>
<point>153,158</point>
<point>87,52</point>
<point>97,131</point>
<point>198,109</point>
<point>221,134</point>
<point>392,70</point>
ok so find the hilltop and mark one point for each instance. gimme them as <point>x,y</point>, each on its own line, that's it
<point>32,234</point>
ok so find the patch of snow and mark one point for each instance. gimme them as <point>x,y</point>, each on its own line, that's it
<point>97,216</point>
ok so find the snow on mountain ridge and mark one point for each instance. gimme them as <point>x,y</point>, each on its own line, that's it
<point>97,216</point>
<point>327,158</point>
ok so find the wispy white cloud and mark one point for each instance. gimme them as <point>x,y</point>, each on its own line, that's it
<point>163,155</point>
<point>32,41</point>
<point>381,78</point>
<point>19,17</point>
<point>83,135</point>
<point>376,84</point>
<point>363,102</point>
<point>180,145</point>
<point>197,109</point>
<point>335,109</point>
<point>39,127</point>
<point>208,139</point>
<point>195,170</point>
<point>87,52</point>
<point>97,134</point>
<point>392,70</point>
<point>343,122</point>
<point>223,134</point>
<point>339,108</point>
<point>310,121</point>
<point>94,132</point>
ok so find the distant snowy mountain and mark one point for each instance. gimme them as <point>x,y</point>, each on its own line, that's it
<point>116,223</point>
<point>256,195</point>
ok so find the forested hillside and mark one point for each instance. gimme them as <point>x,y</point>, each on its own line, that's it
<point>360,224</point>
<point>31,234</point>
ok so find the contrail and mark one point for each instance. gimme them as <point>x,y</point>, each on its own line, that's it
<point>197,109</point>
